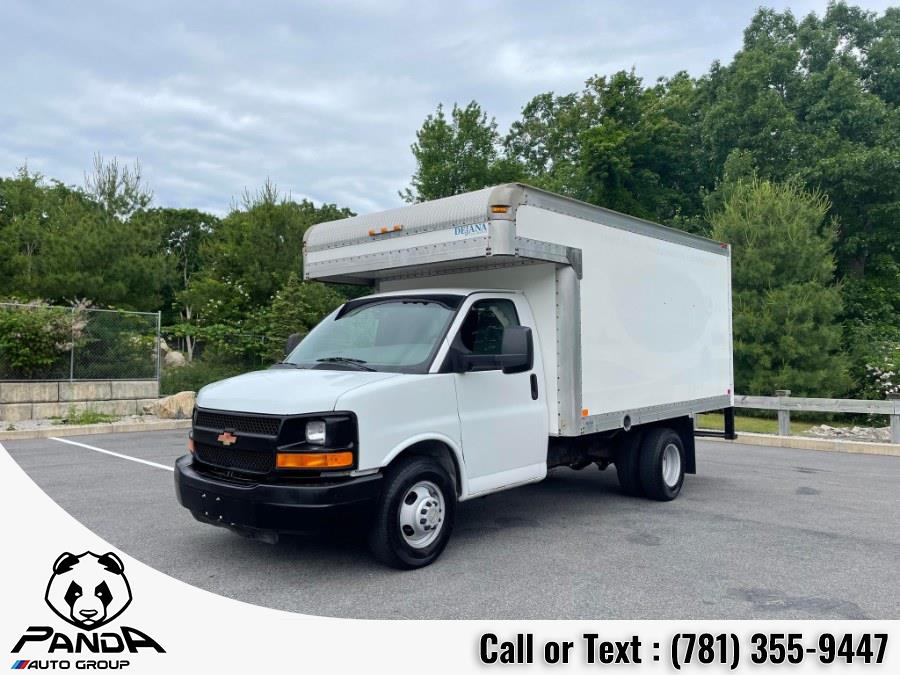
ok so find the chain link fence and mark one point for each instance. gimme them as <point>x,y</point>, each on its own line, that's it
<point>43,342</point>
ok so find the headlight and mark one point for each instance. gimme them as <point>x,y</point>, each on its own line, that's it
<point>315,432</point>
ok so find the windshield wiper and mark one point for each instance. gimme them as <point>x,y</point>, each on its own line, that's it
<point>285,364</point>
<point>346,360</point>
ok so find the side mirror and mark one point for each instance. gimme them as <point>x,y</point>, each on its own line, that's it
<point>292,341</point>
<point>517,353</point>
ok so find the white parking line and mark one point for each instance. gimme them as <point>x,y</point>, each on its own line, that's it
<point>114,454</point>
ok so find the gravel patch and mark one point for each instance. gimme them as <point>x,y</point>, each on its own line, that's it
<point>871,434</point>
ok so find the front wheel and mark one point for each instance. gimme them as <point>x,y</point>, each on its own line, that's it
<point>661,464</point>
<point>414,516</point>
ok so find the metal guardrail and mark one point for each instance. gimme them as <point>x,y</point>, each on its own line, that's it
<point>784,403</point>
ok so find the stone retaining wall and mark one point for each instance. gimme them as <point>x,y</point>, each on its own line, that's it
<point>42,400</point>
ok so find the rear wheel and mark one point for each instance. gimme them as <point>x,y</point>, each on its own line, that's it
<point>414,516</point>
<point>661,464</point>
<point>627,469</point>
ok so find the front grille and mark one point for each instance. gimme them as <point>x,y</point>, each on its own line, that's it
<point>247,461</point>
<point>248,424</point>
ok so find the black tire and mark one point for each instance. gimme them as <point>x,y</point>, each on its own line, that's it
<point>627,468</point>
<point>653,448</point>
<point>386,539</point>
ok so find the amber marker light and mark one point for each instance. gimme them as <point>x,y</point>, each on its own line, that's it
<point>192,448</point>
<point>499,209</point>
<point>313,460</point>
<point>385,230</point>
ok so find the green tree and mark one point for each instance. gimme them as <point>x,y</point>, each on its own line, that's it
<point>23,220</point>
<point>785,301</point>
<point>182,235</point>
<point>258,337</point>
<point>119,189</point>
<point>259,245</point>
<point>296,308</point>
<point>458,154</point>
<point>814,99</point>
<point>546,140</point>
<point>639,157</point>
<point>618,144</point>
<point>59,243</point>
<point>243,266</point>
<point>752,103</point>
<point>817,99</point>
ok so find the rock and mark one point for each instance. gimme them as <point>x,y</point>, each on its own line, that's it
<point>855,433</point>
<point>174,359</point>
<point>175,407</point>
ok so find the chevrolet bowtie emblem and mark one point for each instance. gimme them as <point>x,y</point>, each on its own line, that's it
<point>226,438</point>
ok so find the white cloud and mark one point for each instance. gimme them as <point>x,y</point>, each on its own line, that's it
<point>322,97</point>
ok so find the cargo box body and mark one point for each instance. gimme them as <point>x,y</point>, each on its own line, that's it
<point>633,318</point>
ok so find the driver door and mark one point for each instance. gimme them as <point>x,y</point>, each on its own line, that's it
<point>503,424</point>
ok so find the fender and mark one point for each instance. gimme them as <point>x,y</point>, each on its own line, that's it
<point>440,438</point>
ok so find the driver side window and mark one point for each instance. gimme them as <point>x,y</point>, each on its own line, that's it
<point>482,330</point>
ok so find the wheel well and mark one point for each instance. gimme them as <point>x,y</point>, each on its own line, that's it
<point>439,451</point>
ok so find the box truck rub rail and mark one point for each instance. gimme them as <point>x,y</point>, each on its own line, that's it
<point>510,331</point>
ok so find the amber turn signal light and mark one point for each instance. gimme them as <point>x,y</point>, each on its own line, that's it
<point>313,460</point>
<point>191,447</point>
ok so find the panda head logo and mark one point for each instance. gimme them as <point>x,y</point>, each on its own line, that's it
<point>88,590</point>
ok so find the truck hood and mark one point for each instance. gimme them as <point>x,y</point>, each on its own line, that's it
<point>285,391</point>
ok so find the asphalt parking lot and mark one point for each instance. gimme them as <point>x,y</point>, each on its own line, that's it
<point>758,533</point>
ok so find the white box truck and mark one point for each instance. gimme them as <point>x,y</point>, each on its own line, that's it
<point>511,331</point>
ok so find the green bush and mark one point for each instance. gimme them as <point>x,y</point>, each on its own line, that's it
<point>197,374</point>
<point>875,355</point>
<point>221,343</point>
<point>34,341</point>
<point>87,416</point>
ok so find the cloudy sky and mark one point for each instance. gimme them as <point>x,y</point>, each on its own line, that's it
<point>323,97</point>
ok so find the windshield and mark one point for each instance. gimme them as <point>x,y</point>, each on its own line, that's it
<point>393,334</point>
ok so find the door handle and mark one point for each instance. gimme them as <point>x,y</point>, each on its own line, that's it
<point>534,387</point>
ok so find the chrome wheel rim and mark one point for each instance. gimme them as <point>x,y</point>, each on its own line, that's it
<point>422,513</point>
<point>671,465</point>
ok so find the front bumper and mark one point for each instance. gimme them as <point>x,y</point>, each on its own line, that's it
<point>265,510</point>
